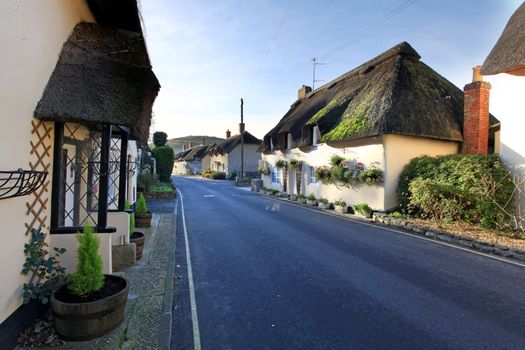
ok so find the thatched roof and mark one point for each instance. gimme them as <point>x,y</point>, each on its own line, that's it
<point>394,93</point>
<point>180,156</point>
<point>508,54</point>
<point>229,144</point>
<point>122,14</point>
<point>103,76</point>
<point>195,153</point>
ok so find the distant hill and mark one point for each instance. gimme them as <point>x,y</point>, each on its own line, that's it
<point>176,143</point>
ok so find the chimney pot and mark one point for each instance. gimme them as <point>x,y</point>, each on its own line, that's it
<point>228,133</point>
<point>476,74</point>
<point>303,91</point>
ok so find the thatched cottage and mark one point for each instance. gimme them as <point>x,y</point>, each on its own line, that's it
<point>226,156</point>
<point>72,126</point>
<point>193,160</point>
<point>377,116</point>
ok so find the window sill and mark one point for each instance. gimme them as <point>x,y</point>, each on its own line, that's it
<point>74,230</point>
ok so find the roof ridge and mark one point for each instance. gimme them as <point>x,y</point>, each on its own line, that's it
<point>401,49</point>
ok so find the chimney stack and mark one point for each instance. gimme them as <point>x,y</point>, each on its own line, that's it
<point>190,144</point>
<point>228,133</point>
<point>303,90</point>
<point>476,115</point>
<point>203,141</point>
<point>183,146</point>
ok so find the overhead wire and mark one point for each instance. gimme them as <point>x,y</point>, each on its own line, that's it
<point>370,28</point>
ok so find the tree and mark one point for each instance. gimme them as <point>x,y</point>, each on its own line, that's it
<point>160,138</point>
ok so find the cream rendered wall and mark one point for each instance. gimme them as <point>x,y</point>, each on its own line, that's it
<point>508,105</point>
<point>251,159</point>
<point>69,241</point>
<point>367,151</point>
<point>223,159</point>
<point>399,150</point>
<point>32,34</point>
<point>206,163</point>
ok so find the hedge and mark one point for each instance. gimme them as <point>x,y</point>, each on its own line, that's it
<point>473,188</point>
<point>165,158</point>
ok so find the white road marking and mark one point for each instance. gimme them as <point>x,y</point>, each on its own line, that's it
<point>208,195</point>
<point>193,302</point>
<point>512,262</point>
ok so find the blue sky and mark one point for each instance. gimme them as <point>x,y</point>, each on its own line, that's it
<point>209,54</point>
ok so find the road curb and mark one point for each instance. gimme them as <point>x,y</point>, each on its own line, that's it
<point>502,252</point>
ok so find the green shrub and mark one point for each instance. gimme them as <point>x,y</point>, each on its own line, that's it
<point>145,180</point>
<point>264,169</point>
<point>311,197</point>
<point>477,189</point>
<point>165,158</point>
<point>232,176</point>
<point>89,277</point>
<point>160,138</point>
<point>336,160</point>
<point>323,200</point>
<point>141,208</point>
<point>44,270</point>
<point>362,208</point>
<point>218,175</point>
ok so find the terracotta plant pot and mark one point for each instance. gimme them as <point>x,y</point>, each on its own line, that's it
<point>143,221</point>
<point>138,238</point>
<point>89,320</point>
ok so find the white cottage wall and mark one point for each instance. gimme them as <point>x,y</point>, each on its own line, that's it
<point>367,151</point>
<point>508,105</point>
<point>30,55</point>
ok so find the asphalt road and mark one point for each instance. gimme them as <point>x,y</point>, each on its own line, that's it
<point>272,275</point>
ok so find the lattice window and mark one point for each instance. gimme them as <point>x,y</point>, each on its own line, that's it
<point>79,176</point>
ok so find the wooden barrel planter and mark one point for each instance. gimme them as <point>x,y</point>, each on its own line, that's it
<point>138,238</point>
<point>143,221</point>
<point>78,321</point>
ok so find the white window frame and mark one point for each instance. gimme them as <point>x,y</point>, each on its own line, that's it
<point>276,176</point>
<point>312,180</point>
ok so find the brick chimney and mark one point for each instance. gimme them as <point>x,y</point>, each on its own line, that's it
<point>303,90</point>
<point>203,141</point>
<point>228,134</point>
<point>476,115</point>
<point>183,146</point>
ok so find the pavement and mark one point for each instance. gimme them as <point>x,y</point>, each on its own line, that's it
<point>268,274</point>
<point>147,320</point>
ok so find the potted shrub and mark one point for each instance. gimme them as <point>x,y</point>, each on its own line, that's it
<point>91,304</point>
<point>311,200</point>
<point>293,197</point>
<point>142,215</point>
<point>301,199</point>
<point>341,206</point>
<point>135,236</point>
<point>363,209</point>
<point>324,203</point>
<point>294,163</point>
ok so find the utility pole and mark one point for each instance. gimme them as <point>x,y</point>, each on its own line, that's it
<point>241,129</point>
<point>315,64</point>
